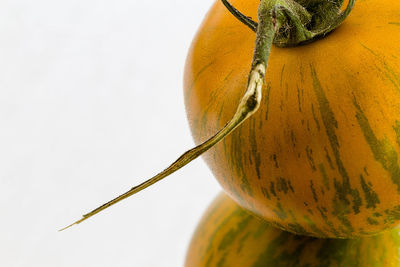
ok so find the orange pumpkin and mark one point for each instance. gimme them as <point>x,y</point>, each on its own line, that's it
<point>320,156</point>
<point>228,236</point>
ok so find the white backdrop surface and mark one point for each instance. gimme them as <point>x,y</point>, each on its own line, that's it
<point>91,104</point>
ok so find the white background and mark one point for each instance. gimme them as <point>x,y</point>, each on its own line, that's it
<point>91,104</point>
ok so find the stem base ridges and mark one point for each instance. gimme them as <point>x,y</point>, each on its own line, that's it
<point>299,21</point>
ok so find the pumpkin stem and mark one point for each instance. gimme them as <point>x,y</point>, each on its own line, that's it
<point>240,16</point>
<point>273,16</point>
<point>248,105</point>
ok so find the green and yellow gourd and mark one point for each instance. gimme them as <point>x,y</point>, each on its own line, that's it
<point>319,152</point>
<point>321,155</point>
<point>228,236</point>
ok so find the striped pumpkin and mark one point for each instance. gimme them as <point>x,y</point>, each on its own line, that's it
<point>321,155</point>
<point>228,236</point>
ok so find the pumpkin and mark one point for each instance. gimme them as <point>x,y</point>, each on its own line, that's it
<point>228,236</point>
<point>321,155</point>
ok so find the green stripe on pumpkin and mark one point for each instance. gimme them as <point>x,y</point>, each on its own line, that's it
<point>343,189</point>
<point>383,150</point>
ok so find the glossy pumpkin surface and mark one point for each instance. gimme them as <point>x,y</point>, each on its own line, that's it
<point>321,155</point>
<point>228,236</point>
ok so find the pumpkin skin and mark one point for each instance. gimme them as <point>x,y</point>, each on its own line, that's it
<point>230,236</point>
<point>321,155</point>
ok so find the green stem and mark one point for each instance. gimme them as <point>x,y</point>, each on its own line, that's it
<point>248,105</point>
